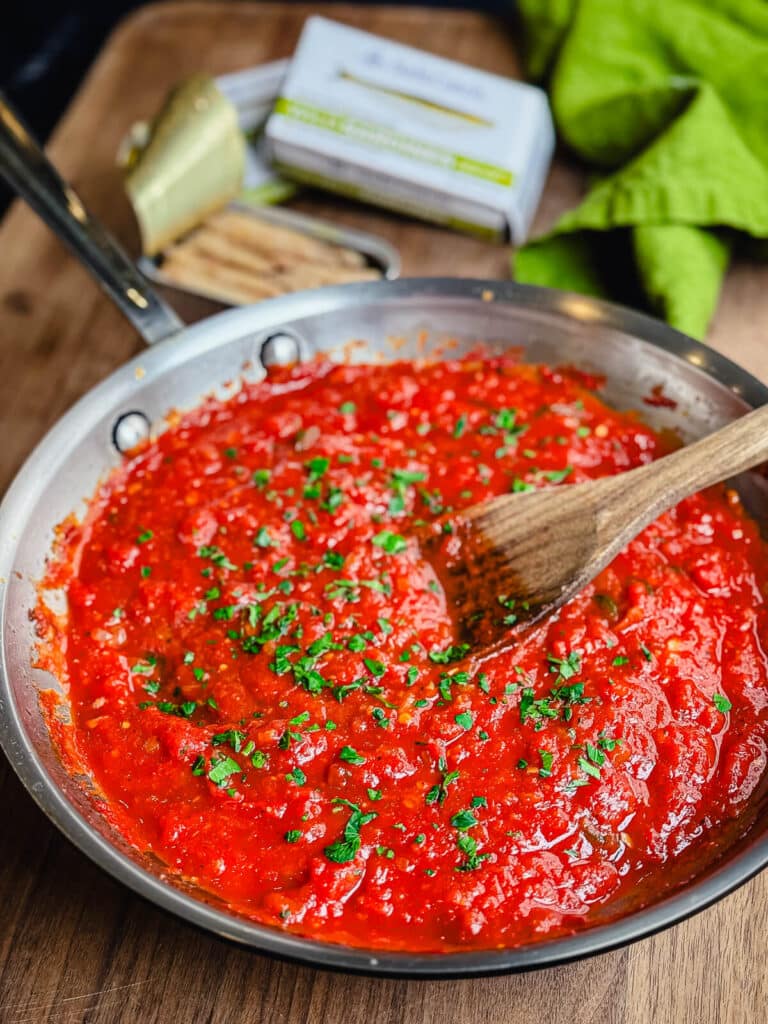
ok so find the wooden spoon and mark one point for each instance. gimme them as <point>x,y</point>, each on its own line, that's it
<point>518,557</point>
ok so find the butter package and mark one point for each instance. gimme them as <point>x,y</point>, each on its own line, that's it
<point>394,126</point>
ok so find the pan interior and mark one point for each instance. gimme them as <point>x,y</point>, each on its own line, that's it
<point>400,320</point>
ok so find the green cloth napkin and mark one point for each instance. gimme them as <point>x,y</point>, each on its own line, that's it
<point>667,101</point>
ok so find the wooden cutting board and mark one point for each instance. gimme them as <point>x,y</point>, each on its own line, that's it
<point>74,945</point>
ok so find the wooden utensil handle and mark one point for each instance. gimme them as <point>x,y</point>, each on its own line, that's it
<point>739,446</point>
<point>652,489</point>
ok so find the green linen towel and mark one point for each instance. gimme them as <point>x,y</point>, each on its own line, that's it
<point>667,101</point>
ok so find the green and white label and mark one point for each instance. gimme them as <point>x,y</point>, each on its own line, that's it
<point>381,137</point>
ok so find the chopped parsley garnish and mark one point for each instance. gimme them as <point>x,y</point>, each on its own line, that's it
<point>322,645</point>
<point>351,756</point>
<point>453,653</point>
<point>333,500</point>
<point>468,846</point>
<point>721,703</point>
<point>184,710</point>
<point>234,737</point>
<point>408,476</point>
<point>464,820</point>
<point>217,556</point>
<point>607,742</point>
<point>566,667</point>
<point>438,792</point>
<point>547,758</point>
<point>607,604</point>
<point>298,529</point>
<point>333,560</point>
<point>556,476</point>
<point>505,419</point>
<point>221,769</point>
<point>262,538</point>
<point>535,709</point>
<point>508,603</point>
<point>345,848</point>
<point>318,467</point>
<point>588,768</point>
<point>520,486</point>
<point>595,755</point>
<point>390,542</point>
<point>145,669</point>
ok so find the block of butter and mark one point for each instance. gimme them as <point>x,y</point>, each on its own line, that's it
<point>394,126</point>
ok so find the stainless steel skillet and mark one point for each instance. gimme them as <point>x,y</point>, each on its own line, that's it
<point>432,317</point>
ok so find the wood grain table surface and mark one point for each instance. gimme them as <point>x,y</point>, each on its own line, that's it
<point>76,946</point>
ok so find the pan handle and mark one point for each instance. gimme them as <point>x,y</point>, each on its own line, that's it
<point>30,174</point>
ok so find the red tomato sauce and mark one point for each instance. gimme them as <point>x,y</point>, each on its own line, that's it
<point>269,689</point>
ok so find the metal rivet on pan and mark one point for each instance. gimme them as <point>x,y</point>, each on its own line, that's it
<point>129,430</point>
<point>280,349</point>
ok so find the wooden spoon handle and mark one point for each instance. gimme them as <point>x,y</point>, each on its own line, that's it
<point>739,446</point>
<point>650,490</point>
